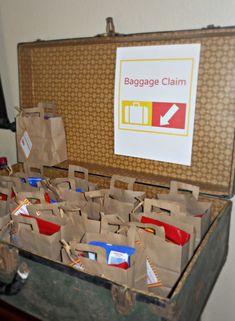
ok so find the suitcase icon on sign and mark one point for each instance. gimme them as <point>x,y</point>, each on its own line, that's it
<point>136,114</point>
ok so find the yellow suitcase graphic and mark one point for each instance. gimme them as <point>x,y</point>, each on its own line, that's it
<point>137,113</point>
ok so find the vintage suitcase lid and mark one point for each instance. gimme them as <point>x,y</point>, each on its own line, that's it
<point>78,75</point>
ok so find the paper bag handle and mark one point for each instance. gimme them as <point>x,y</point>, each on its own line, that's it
<point>112,219</point>
<point>95,194</point>
<point>35,209</point>
<point>70,181</point>
<point>83,247</point>
<point>172,207</point>
<point>48,107</point>
<point>26,221</point>
<point>28,168</point>
<point>30,195</point>
<point>124,179</point>
<point>34,110</point>
<point>176,186</point>
<point>79,169</point>
<point>158,231</point>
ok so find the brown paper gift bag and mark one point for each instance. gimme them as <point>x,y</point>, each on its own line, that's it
<point>158,252</point>
<point>196,212</point>
<point>168,212</point>
<point>28,237</point>
<point>70,229</point>
<point>133,277</point>
<point>175,257</point>
<point>40,136</point>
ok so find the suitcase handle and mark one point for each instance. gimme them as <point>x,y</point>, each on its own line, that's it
<point>124,179</point>
<point>172,207</point>
<point>136,104</point>
<point>176,186</point>
<point>79,169</point>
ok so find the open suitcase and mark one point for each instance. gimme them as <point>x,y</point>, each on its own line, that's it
<point>78,75</point>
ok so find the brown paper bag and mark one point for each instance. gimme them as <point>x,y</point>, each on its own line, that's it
<point>70,227</point>
<point>158,252</point>
<point>30,239</point>
<point>40,136</point>
<point>175,257</point>
<point>168,212</point>
<point>196,212</point>
<point>134,277</point>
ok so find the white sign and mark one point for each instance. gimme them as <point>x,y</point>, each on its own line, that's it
<point>155,96</point>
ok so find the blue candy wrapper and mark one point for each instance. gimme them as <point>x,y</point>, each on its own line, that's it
<point>32,180</point>
<point>115,254</point>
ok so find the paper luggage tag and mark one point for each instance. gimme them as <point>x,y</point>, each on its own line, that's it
<point>152,275</point>
<point>153,279</point>
<point>26,144</point>
<point>77,264</point>
<point>22,208</point>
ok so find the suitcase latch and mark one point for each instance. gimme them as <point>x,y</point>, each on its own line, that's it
<point>13,275</point>
<point>123,299</point>
<point>110,29</point>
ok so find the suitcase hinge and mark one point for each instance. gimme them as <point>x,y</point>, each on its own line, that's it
<point>123,299</point>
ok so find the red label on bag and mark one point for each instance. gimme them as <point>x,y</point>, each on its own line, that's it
<point>173,233</point>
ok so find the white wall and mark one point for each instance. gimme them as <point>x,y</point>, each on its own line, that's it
<point>28,20</point>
